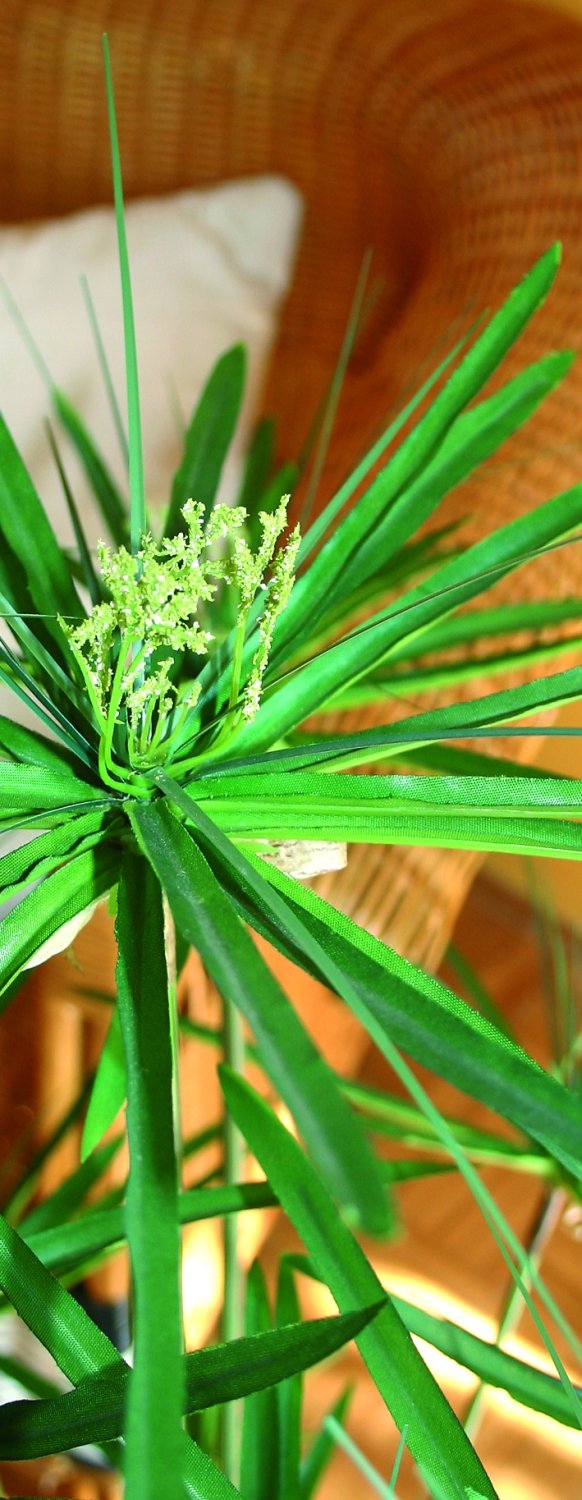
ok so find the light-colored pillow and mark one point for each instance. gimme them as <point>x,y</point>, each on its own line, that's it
<point>208,269</point>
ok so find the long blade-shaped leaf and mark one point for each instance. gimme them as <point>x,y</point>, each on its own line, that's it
<point>304,691</point>
<point>260,1438</point>
<point>531,1387</point>
<point>204,914</point>
<point>136,475</point>
<point>106,494</point>
<point>70,1246</point>
<point>94,1411</point>
<point>32,861</point>
<point>29,535</point>
<point>109,1089</point>
<point>209,436</point>
<point>419,447</point>
<point>61,897</point>
<point>456,721</point>
<point>154,1434</point>
<point>80,1348</point>
<point>435,1437</point>
<point>415,1010</point>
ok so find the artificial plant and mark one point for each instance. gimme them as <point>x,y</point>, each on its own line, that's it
<point>179,702</point>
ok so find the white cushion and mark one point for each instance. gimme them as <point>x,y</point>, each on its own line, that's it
<point>208,269</point>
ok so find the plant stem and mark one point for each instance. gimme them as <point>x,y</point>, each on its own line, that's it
<point>543,1227</point>
<point>170,951</point>
<point>233,1301</point>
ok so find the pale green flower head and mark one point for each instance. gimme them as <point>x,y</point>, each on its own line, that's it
<point>128,646</point>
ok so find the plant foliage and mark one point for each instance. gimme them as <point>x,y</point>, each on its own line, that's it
<point>179,708</point>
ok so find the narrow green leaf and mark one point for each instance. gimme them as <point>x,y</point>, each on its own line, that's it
<point>21,1194</point>
<point>435,1437</point>
<point>359,1460</point>
<point>94,1411</point>
<point>61,897</point>
<point>415,1010</point>
<point>107,496</point>
<point>419,447</point>
<point>507,1242</point>
<point>531,1387</point>
<point>303,691</point>
<point>109,1089</point>
<point>32,748</point>
<point>474,436</point>
<point>70,1246</point>
<point>88,573</point>
<point>138,522</point>
<point>322,1449</point>
<point>205,915</point>
<point>66,1200</point>
<point>80,1348</point>
<point>419,1014</point>
<point>289,1394</point>
<point>259,1459</point>
<point>29,535</point>
<point>153,1430</point>
<point>475,719</point>
<point>32,861</point>
<point>256,473</point>
<point>209,436</point>
<point>105,372</point>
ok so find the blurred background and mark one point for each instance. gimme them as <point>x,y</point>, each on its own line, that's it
<point>446,137</point>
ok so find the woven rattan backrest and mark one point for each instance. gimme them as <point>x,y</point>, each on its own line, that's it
<point>446,137</point>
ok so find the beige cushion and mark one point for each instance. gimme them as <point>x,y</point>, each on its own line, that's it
<point>208,269</point>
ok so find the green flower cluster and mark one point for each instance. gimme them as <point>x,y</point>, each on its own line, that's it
<point>127,647</point>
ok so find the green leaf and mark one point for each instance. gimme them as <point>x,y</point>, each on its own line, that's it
<point>289,1394</point>
<point>204,914</point>
<point>45,709</point>
<point>153,1430</point>
<point>107,496</point>
<point>259,1459</point>
<point>472,720</point>
<point>31,748</point>
<point>64,1328</point>
<point>474,436</point>
<point>32,861</point>
<point>66,1200</point>
<point>511,814</point>
<point>70,1246</point>
<point>94,1411</point>
<point>209,436</point>
<point>256,472</point>
<point>61,897</point>
<point>531,1387</point>
<point>79,1347</point>
<point>322,1448</point>
<point>418,1013</point>
<point>109,1089</point>
<point>302,692</point>
<point>418,449</point>
<point>435,1437</point>
<point>29,536</point>
<point>88,574</point>
<point>138,524</point>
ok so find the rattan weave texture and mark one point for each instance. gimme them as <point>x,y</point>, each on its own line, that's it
<point>448,137</point>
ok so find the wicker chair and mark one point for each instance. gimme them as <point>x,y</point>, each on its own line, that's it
<point>448,138</point>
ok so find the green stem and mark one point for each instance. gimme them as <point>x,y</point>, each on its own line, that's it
<point>237,657</point>
<point>233,1323</point>
<point>170,949</point>
<point>543,1227</point>
<point>153,1428</point>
